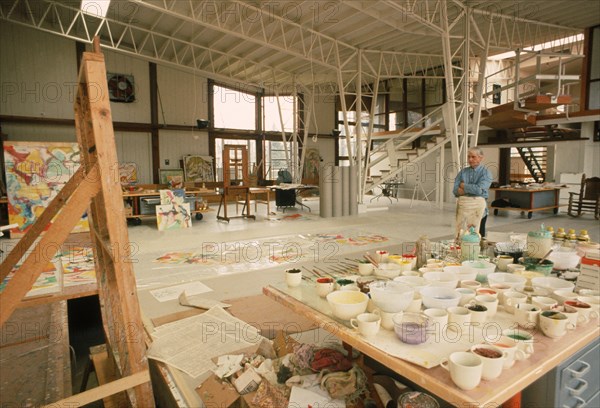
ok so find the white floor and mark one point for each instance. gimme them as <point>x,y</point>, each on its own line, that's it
<point>395,220</point>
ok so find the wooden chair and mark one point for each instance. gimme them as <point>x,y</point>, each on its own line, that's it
<point>588,198</point>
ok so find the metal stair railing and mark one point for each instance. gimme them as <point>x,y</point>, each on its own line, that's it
<point>533,164</point>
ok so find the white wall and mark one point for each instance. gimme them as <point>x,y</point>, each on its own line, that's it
<point>174,144</point>
<point>135,147</point>
<point>183,96</point>
<point>38,73</point>
<point>324,110</point>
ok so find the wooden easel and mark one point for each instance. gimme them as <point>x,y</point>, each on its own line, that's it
<point>235,180</point>
<point>95,184</point>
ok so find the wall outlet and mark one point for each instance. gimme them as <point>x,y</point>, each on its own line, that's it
<point>167,161</point>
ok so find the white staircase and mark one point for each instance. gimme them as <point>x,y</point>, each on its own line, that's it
<point>389,159</point>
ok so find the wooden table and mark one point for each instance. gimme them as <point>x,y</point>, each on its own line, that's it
<point>548,354</point>
<point>527,199</point>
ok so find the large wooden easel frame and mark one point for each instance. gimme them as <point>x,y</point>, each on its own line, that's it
<point>95,184</point>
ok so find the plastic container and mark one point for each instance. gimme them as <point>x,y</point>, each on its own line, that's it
<point>470,245</point>
<point>539,243</point>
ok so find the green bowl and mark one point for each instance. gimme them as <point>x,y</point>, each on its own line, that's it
<point>532,264</point>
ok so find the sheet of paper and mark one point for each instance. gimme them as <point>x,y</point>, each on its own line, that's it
<point>200,302</point>
<point>191,344</point>
<point>173,292</point>
<point>313,397</point>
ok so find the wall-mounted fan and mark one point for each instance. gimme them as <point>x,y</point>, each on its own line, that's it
<point>121,88</point>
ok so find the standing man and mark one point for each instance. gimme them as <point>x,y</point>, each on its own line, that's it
<point>471,187</point>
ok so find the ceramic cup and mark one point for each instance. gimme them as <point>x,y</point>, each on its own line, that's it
<point>502,262</point>
<point>526,315</point>
<point>415,304</point>
<point>387,321</point>
<point>466,295</point>
<point>492,358</point>
<point>487,291</point>
<point>437,318</point>
<point>324,286</point>
<point>458,318</point>
<point>381,256</point>
<point>573,316</point>
<point>367,324</point>
<point>523,338</point>
<point>544,302</point>
<point>583,308</point>
<point>293,277</point>
<point>511,346</point>
<point>478,314</point>
<point>553,323</point>
<point>471,284</point>
<point>465,369</point>
<point>593,301</point>
<point>511,298</point>
<point>515,268</point>
<point>365,268</point>
<point>488,301</point>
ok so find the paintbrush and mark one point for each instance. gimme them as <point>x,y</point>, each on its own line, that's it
<point>313,272</point>
<point>368,258</point>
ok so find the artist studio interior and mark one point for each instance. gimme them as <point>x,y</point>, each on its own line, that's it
<point>242,204</point>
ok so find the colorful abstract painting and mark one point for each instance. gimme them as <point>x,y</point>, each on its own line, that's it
<point>198,168</point>
<point>128,173</point>
<point>35,173</point>
<point>173,216</point>
<point>175,197</point>
<point>164,174</point>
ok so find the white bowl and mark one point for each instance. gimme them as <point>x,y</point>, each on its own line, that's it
<point>462,273</point>
<point>390,296</point>
<point>481,268</point>
<point>564,259</point>
<point>446,279</point>
<point>416,282</point>
<point>549,284</point>
<point>347,304</point>
<point>516,282</point>
<point>388,270</point>
<point>564,294</point>
<point>440,297</point>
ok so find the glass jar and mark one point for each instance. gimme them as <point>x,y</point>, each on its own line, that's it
<point>539,243</point>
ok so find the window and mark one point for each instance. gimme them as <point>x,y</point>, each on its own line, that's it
<point>271,120</point>
<point>220,144</point>
<point>275,157</point>
<point>233,109</point>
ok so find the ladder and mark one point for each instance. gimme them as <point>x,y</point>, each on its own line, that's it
<point>95,185</point>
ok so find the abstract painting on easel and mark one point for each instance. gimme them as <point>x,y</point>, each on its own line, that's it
<point>35,173</point>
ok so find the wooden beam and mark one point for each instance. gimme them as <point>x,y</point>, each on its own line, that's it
<point>41,223</point>
<point>103,391</point>
<point>58,232</point>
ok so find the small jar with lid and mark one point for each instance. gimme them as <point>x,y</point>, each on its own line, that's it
<point>583,236</point>
<point>571,235</point>
<point>560,234</point>
<point>539,243</point>
<point>551,231</point>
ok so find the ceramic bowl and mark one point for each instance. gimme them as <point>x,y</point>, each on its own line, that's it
<point>533,264</point>
<point>481,268</point>
<point>564,294</point>
<point>391,296</point>
<point>516,282</point>
<point>439,297</point>
<point>461,272</point>
<point>549,284</point>
<point>446,279</point>
<point>347,304</point>
<point>411,328</point>
<point>388,270</point>
<point>416,282</point>
<point>564,259</point>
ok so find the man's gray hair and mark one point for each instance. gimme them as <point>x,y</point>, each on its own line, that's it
<point>477,150</point>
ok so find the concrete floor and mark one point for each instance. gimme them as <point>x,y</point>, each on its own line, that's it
<point>395,220</point>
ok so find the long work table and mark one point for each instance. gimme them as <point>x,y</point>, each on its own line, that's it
<point>548,353</point>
